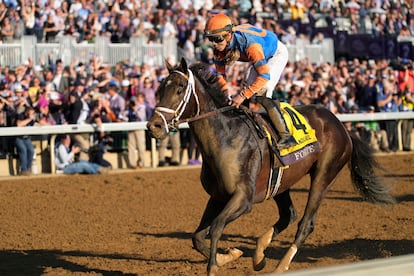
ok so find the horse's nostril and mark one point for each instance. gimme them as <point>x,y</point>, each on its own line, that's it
<point>153,126</point>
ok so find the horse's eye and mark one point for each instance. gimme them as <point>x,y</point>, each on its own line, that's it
<point>180,89</point>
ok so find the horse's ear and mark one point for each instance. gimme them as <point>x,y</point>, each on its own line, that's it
<point>169,66</point>
<point>184,65</point>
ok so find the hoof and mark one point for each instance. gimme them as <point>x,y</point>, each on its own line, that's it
<point>259,260</point>
<point>279,270</point>
<point>259,266</point>
<point>213,271</point>
<point>231,255</point>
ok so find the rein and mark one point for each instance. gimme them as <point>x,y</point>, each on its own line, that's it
<point>207,114</point>
<point>178,112</point>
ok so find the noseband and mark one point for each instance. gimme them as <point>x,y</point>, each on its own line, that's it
<point>178,112</point>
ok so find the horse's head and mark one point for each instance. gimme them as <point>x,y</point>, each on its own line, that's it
<point>177,100</point>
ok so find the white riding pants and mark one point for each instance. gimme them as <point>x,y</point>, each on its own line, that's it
<point>276,64</point>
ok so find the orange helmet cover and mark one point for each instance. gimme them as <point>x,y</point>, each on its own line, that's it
<point>219,24</point>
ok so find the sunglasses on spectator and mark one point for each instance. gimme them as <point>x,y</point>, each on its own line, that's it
<point>216,39</point>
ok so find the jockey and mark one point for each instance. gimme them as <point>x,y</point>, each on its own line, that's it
<point>267,57</point>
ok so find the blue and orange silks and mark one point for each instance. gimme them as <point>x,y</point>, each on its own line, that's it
<point>256,46</point>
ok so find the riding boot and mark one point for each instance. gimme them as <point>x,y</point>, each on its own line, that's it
<point>273,110</point>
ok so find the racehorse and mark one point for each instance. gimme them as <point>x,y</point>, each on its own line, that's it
<point>236,162</point>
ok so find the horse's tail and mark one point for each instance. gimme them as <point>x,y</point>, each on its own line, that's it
<point>365,180</point>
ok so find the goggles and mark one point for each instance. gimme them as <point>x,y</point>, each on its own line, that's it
<point>216,39</point>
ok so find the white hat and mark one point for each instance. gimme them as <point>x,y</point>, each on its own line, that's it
<point>18,88</point>
<point>38,68</point>
<point>125,83</point>
<point>54,95</point>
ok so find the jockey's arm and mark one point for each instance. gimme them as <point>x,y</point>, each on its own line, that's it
<point>256,56</point>
<point>221,75</point>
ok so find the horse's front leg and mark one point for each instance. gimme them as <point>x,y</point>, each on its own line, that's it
<point>287,215</point>
<point>212,210</point>
<point>235,207</point>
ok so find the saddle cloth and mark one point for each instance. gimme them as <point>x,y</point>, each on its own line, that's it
<point>303,133</point>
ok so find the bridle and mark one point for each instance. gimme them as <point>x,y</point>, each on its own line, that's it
<point>178,112</point>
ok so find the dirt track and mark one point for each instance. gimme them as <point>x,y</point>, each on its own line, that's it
<point>140,223</point>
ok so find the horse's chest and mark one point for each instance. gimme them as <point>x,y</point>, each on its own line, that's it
<point>219,183</point>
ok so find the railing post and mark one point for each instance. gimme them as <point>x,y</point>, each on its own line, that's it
<point>28,46</point>
<point>170,47</point>
<point>399,131</point>
<point>52,153</point>
<point>137,45</point>
<point>66,49</point>
<point>101,47</point>
<point>153,152</point>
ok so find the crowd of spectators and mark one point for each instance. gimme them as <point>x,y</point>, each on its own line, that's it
<point>48,92</point>
<point>122,19</point>
<point>350,86</point>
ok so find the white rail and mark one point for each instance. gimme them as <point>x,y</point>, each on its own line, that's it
<point>53,131</point>
<point>398,266</point>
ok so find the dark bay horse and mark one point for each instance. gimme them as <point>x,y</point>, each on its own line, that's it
<point>237,162</point>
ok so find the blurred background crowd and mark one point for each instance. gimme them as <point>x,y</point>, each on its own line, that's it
<point>122,19</point>
<point>47,92</point>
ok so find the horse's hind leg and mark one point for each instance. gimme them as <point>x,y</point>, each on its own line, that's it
<point>287,215</point>
<point>319,185</point>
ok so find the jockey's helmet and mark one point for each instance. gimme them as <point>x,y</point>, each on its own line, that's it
<point>218,25</point>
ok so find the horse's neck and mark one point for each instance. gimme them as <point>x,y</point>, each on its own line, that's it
<point>206,101</point>
<point>211,132</point>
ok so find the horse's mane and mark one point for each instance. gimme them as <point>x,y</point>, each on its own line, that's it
<point>208,79</point>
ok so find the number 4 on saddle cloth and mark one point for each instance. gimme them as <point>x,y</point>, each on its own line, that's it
<point>303,133</point>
